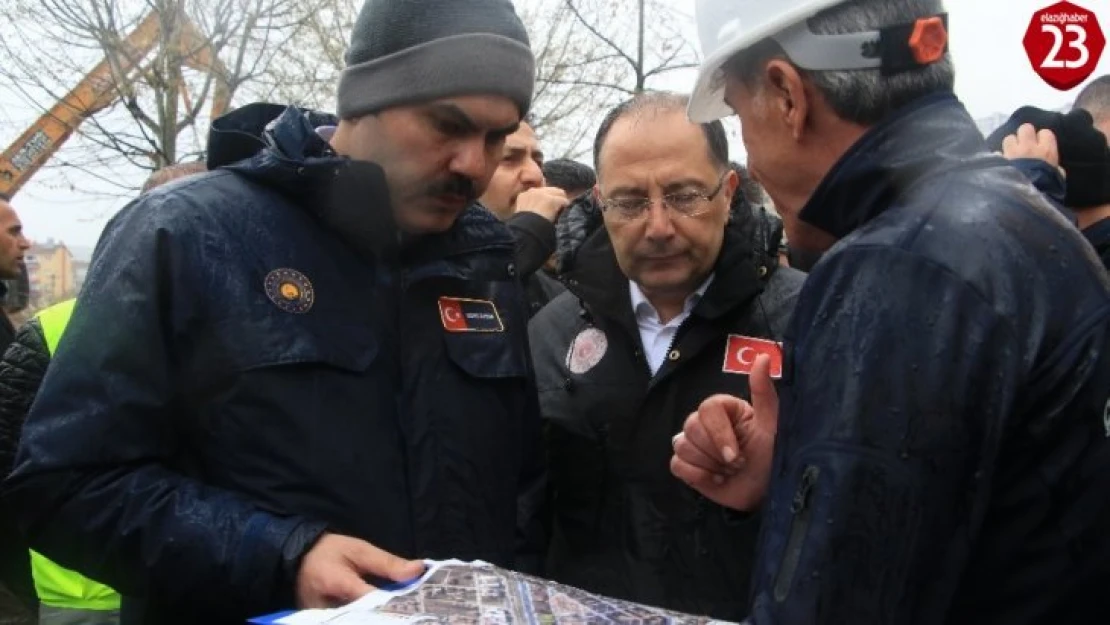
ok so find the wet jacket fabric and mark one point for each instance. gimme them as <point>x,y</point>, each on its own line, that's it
<point>257,358</point>
<point>621,524</point>
<point>942,454</point>
<point>1048,180</point>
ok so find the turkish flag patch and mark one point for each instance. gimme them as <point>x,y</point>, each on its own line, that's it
<point>469,315</point>
<point>741,351</point>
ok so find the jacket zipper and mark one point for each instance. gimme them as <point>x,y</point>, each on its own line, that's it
<point>802,510</point>
<point>667,354</point>
<point>398,288</point>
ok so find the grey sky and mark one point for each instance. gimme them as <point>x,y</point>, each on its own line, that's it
<point>993,76</point>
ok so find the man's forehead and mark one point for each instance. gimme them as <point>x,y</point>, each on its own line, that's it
<point>663,139</point>
<point>523,138</point>
<point>7,214</point>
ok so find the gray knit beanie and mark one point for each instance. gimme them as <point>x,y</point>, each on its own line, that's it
<point>410,51</point>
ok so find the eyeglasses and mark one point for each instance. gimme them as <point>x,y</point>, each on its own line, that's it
<point>684,203</point>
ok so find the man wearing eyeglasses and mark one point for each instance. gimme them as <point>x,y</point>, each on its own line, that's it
<point>669,303</point>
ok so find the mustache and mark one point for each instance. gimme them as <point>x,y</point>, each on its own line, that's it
<point>657,250</point>
<point>455,185</point>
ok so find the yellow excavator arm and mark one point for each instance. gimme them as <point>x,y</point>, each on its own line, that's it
<point>98,90</point>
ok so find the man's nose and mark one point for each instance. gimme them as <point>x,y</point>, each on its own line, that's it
<point>659,224</point>
<point>531,175</point>
<point>472,160</point>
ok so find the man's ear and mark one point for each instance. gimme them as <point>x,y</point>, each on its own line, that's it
<point>731,185</point>
<point>732,181</point>
<point>787,89</point>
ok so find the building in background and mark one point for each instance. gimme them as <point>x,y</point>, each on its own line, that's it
<point>80,268</point>
<point>51,273</point>
<point>82,257</point>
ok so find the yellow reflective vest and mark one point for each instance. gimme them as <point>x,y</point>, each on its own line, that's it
<point>56,586</point>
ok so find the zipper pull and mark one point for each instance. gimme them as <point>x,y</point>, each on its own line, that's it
<point>801,496</point>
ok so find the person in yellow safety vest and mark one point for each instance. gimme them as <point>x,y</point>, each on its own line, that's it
<point>67,597</point>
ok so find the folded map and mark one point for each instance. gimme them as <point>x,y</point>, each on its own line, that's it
<point>452,592</point>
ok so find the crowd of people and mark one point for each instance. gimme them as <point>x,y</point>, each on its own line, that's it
<point>863,378</point>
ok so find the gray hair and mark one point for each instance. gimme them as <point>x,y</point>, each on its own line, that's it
<point>862,96</point>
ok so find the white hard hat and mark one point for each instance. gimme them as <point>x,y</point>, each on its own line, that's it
<point>726,27</point>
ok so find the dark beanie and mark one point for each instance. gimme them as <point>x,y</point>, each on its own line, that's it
<point>1084,155</point>
<point>410,51</point>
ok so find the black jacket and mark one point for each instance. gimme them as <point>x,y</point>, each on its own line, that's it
<point>21,371</point>
<point>257,357</point>
<point>942,453</point>
<point>7,330</point>
<point>622,525</point>
<point>535,243</point>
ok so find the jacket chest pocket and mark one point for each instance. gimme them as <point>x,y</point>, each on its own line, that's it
<point>481,391</point>
<point>290,388</point>
<point>836,507</point>
<point>273,349</point>
<point>274,341</point>
<point>487,356</point>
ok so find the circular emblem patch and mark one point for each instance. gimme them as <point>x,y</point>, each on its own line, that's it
<point>290,290</point>
<point>586,350</point>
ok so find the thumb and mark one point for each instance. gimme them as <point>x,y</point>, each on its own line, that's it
<point>370,559</point>
<point>765,399</point>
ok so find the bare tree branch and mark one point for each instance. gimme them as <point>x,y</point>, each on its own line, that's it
<point>597,33</point>
<point>231,42</point>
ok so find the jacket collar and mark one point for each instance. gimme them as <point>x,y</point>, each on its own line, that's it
<point>932,134</point>
<point>597,280</point>
<point>643,309</point>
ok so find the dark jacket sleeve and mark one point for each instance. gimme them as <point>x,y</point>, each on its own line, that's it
<point>535,242</point>
<point>21,372</point>
<point>97,484</point>
<point>902,379</point>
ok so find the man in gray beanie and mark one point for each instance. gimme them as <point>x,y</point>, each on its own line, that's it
<point>291,378</point>
<point>426,81</point>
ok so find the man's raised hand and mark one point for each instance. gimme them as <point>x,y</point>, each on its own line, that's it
<point>724,450</point>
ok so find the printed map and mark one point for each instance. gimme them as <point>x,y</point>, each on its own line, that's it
<point>469,595</point>
<point>458,593</point>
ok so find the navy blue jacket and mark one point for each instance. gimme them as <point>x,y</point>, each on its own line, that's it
<point>942,453</point>
<point>198,429</point>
